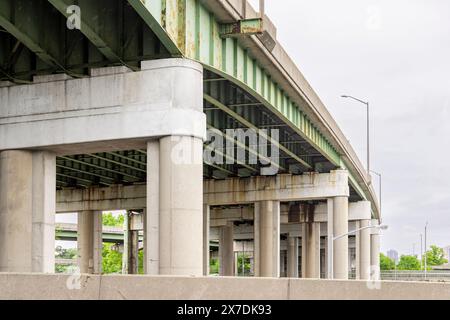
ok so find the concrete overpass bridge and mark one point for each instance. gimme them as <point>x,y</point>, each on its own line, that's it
<point>111,105</point>
<point>69,232</point>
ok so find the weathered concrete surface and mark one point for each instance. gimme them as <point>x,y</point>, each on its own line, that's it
<point>308,186</point>
<point>54,287</point>
<point>27,206</point>
<point>65,115</point>
<point>181,206</point>
<point>284,71</point>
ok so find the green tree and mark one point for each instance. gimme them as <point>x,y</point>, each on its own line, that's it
<point>214,266</point>
<point>60,253</point>
<point>244,259</point>
<point>435,257</point>
<point>408,263</point>
<point>113,221</point>
<point>386,263</point>
<point>141,262</point>
<point>112,259</point>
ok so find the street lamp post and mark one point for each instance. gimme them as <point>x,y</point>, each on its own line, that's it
<point>368,128</point>
<point>331,249</point>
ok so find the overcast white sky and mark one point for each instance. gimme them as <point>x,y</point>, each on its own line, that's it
<point>396,54</point>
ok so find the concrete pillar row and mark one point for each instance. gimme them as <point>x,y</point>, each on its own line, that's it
<point>174,222</point>
<point>27,211</point>
<point>267,239</point>
<point>292,257</point>
<point>90,242</point>
<point>226,250</point>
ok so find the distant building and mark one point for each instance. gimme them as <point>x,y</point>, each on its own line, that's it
<point>393,255</point>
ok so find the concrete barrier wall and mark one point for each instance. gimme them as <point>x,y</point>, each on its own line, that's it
<point>56,287</point>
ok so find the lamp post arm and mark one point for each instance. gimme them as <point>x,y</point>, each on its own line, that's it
<point>356,99</point>
<point>354,231</point>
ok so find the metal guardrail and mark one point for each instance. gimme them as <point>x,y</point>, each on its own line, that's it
<point>405,275</point>
<point>430,275</point>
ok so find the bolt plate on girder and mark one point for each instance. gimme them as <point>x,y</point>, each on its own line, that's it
<point>244,27</point>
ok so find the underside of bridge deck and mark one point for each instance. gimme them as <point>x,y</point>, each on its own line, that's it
<point>114,33</point>
<point>242,87</point>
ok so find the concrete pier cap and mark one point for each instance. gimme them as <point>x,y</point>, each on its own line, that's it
<point>164,98</point>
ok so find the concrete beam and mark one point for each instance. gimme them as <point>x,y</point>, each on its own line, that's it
<point>134,197</point>
<point>277,188</point>
<point>71,115</point>
<point>101,199</point>
<point>356,211</point>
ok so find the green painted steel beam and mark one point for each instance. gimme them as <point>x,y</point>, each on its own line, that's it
<point>246,148</point>
<point>250,125</point>
<point>116,154</point>
<point>90,12</point>
<point>148,11</point>
<point>242,28</point>
<point>70,169</point>
<point>95,156</point>
<point>198,32</point>
<point>92,165</point>
<point>23,27</point>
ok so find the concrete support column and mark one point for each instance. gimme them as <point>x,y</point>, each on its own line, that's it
<point>206,227</point>
<point>151,216</point>
<point>283,268</point>
<point>226,250</point>
<point>375,252</point>
<point>16,211</point>
<point>340,227</point>
<point>325,260</point>
<point>267,239</point>
<point>357,262</point>
<point>44,208</point>
<point>27,209</point>
<point>98,242</point>
<point>181,206</point>
<point>292,257</point>
<point>236,264</point>
<point>330,240</point>
<point>364,250</point>
<point>134,225</point>
<point>311,250</point>
<point>90,242</point>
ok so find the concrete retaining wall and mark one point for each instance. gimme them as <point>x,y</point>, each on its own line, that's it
<point>34,286</point>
